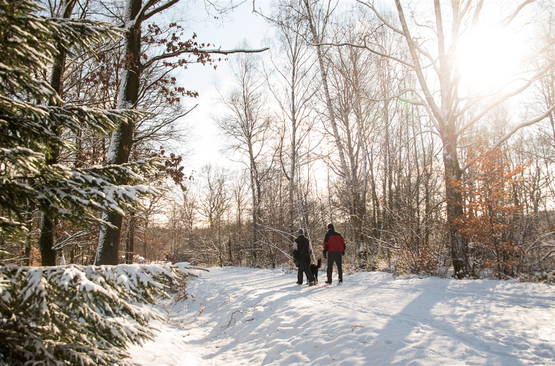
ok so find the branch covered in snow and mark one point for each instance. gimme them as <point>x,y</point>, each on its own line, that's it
<point>79,315</point>
<point>33,119</point>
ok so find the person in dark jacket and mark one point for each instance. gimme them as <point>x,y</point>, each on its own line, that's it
<point>334,249</point>
<point>301,254</point>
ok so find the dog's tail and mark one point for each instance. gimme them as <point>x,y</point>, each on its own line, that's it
<point>319,263</point>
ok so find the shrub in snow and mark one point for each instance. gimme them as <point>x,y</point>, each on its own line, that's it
<point>79,315</point>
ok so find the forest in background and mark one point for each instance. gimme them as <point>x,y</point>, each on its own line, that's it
<point>355,115</point>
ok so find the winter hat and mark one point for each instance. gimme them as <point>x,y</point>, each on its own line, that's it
<point>300,232</point>
<point>330,227</point>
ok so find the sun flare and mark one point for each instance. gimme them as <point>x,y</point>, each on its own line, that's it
<point>488,58</point>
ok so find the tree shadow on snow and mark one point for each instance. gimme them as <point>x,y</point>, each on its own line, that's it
<point>399,345</point>
<point>243,322</point>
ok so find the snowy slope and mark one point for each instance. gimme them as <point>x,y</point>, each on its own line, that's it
<point>242,316</point>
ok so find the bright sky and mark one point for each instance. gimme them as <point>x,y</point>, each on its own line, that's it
<point>233,30</point>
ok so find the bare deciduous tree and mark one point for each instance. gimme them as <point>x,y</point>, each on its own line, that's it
<point>247,124</point>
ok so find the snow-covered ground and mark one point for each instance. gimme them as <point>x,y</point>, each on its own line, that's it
<point>243,316</point>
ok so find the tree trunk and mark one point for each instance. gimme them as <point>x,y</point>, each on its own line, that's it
<point>454,203</point>
<point>325,87</point>
<point>122,139</point>
<point>27,250</point>
<point>48,218</point>
<point>292,169</point>
<point>229,252</point>
<point>46,240</point>
<point>130,243</point>
<point>255,195</point>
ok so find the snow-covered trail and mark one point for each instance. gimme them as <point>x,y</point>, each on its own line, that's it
<point>242,316</point>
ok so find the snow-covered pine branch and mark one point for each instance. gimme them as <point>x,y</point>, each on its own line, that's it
<point>71,239</point>
<point>32,41</point>
<point>80,315</point>
<point>84,193</point>
<point>32,117</point>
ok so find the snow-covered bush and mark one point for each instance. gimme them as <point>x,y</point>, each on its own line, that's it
<point>79,315</point>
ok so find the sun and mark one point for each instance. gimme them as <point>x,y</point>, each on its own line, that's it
<point>489,58</point>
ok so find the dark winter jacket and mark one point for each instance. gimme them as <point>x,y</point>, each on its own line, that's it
<point>301,251</point>
<point>333,242</point>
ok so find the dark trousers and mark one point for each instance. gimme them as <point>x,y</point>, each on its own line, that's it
<point>304,268</point>
<point>335,257</point>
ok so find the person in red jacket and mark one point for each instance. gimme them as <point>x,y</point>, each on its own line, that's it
<point>334,249</point>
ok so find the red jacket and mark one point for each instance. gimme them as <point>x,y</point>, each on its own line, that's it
<point>334,242</point>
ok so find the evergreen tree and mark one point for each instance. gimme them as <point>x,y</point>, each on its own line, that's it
<point>31,116</point>
<point>80,315</point>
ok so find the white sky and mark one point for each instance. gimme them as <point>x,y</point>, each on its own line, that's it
<point>232,30</point>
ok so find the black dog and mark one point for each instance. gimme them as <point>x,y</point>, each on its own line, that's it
<point>314,270</point>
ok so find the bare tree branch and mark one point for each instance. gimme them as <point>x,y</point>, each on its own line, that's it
<point>380,17</point>
<point>159,9</point>
<point>511,17</point>
<point>499,100</point>
<point>524,124</point>
<point>217,51</point>
<point>144,8</point>
<point>371,50</point>
<point>511,133</point>
<point>418,67</point>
